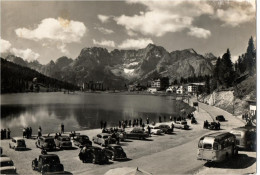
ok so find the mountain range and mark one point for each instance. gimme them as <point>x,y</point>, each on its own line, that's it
<point>120,67</point>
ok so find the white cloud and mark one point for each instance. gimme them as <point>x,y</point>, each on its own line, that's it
<point>104,30</point>
<point>26,54</point>
<point>61,31</point>
<point>199,32</point>
<point>5,45</point>
<point>163,17</point>
<point>104,18</point>
<point>135,43</point>
<point>106,43</point>
<point>237,13</point>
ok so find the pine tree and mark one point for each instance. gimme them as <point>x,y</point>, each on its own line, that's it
<point>250,56</point>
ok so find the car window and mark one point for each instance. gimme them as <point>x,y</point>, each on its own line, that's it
<point>105,137</point>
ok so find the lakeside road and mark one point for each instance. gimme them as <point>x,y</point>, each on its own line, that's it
<point>168,154</point>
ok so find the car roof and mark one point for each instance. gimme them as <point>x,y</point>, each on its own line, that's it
<point>17,138</point>
<point>5,159</point>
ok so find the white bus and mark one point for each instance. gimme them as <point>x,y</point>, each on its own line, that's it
<point>217,147</point>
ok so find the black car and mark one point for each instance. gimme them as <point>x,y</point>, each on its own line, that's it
<point>47,163</point>
<point>115,152</point>
<point>220,118</point>
<point>136,133</point>
<point>213,126</point>
<point>82,140</point>
<point>45,142</point>
<point>93,154</point>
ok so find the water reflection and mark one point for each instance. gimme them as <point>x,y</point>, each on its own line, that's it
<point>86,111</point>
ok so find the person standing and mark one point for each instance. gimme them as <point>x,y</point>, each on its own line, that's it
<point>130,122</point>
<point>141,121</point>
<point>172,127</point>
<point>30,131</point>
<point>137,122</point>
<point>160,119</point>
<point>170,118</point>
<point>105,125</point>
<point>24,133</point>
<point>119,124</point>
<point>164,118</point>
<point>62,128</point>
<point>147,120</point>
<point>149,130</point>
<point>101,124</point>
<point>39,131</point>
<point>4,133</point>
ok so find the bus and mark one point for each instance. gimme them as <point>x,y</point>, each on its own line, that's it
<point>217,147</point>
<point>246,137</point>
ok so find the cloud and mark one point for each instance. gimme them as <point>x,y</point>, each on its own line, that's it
<point>199,32</point>
<point>237,13</point>
<point>104,18</point>
<point>26,54</point>
<point>61,31</point>
<point>5,46</point>
<point>163,17</point>
<point>104,30</point>
<point>106,43</point>
<point>135,43</point>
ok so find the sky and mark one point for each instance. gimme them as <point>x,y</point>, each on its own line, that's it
<point>44,31</point>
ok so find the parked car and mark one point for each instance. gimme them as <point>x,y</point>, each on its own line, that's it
<point>181,125</point>
<point>82,140</point>
<point>45,142</point>
<point>17,143</point>
<point>154,130</point>
<point>245,136</point>
<point>213,126</point>
<point>7,166</point>
<point>165,128</point>
<point>93,154</point>
<point>47,163</point>
<point>103,139</point>
<point>115,152</point>
<point>63,142</point>
<point>136,133</point>
<point>220,118</point>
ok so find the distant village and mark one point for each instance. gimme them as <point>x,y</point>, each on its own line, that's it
<point>155,85</point>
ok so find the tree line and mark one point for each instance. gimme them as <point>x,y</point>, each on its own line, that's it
<point>16,78</point>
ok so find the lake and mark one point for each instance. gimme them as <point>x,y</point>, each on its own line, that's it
<point>81,111</point>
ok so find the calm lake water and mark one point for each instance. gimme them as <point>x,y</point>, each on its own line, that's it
<point>81,110</point>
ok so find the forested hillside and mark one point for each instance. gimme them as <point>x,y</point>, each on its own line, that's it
<point>16,78</point>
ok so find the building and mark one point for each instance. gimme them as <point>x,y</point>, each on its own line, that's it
<point>181,90</point>
<point>172,89</point>
<point>94,86</point>
<point>194,87</point>
<point>160,83</point>
<point>252,107</point>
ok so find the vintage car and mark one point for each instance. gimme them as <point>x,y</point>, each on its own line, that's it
<point>93,154</point>
<point>136,133</point>
<point>45,142</point>
<point>47,163</point>
<point>82,140</point>
<point>181,125</point>
<point>166,128</point>
<point>63,142</point>
<point>154,130</point>
<point>213,126</point>
<point>246,137</point>
<point>220,118</point>
<point>7,166</point>
<point>115,152</point>
<point>103,139</point>
<point>17,143</point>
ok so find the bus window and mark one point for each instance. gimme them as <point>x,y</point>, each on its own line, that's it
<point>207,146</point>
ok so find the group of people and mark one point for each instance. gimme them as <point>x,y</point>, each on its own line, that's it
<point>5,134</point>
<point>27,132</point>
